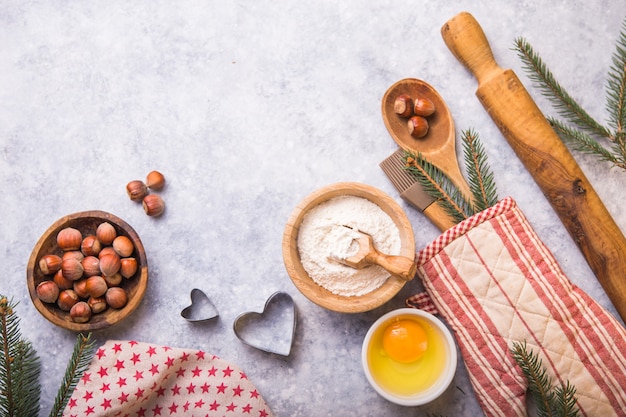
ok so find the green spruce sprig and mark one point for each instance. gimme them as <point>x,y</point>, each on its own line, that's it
<point>439,186</point>
<point>551,401</point>
<point>78,364</point>
<point>578,128</point>
<point>20,368</point>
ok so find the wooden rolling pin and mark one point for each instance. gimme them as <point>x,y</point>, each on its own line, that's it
<point>545,156</point>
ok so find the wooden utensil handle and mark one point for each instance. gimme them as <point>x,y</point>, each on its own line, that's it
<point>466,40</point>
<point>400,266</point>
<point>548,160</point>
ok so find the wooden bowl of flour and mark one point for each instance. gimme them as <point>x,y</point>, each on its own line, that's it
<point>325,294</point>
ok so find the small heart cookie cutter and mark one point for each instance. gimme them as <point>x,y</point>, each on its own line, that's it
<point>272,330</point>
<point>201,308</point>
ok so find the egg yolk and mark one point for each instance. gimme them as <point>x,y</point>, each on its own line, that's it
<point>405,341</point>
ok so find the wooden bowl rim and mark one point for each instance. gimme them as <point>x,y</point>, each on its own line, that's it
<point>115,315</point>
<point>320,295</point>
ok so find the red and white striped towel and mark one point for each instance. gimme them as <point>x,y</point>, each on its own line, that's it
<point>494,282</point>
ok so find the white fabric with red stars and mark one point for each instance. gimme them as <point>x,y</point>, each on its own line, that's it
<point>135,379</point>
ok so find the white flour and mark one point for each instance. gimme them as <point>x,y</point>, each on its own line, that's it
<point>319,237</point>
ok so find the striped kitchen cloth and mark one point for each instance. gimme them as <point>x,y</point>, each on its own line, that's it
<point>494,282</point>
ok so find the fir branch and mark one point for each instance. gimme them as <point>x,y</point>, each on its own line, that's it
<point>550,401</point>
<point>582,142</point>
<point>616,89</point>
<point>79,362</point>
<point>565,105</point>
<point>439,186</point>
<point>19,367</point>
<point>480,176</point>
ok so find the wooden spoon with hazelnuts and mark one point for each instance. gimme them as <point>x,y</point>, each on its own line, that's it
<point>419,120</point>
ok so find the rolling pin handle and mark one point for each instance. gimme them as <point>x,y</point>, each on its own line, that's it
<point>466,40</point>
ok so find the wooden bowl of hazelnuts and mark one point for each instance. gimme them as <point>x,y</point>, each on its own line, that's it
<point>88,271</point>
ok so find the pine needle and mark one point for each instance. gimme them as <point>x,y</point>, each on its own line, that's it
<point>565,105</point>
<point>439,186</point>
<point>584,136</point>
<point>550,401</point>
<point>79,362</point>
<point>616,89</point>
<point>480,176</point>
<point>19,367</point>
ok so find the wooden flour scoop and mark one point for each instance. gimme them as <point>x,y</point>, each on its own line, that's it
<point>367,255</point>
<point>545,156</point>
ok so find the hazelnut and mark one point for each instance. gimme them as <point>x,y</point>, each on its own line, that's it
<point>403,106</point>
<point>423,107</point>
<point>49,264</point>
<point>123,246</point>
<point>106,233</point>
<point>91,265</point>
<point>67,299</point>
<point>80,287</point>
<point>76,254</point>
<point>116,297</point>
<point>96,286</point>
<point>62,282</point>
<point>90,246</point>
<point>80,312</point>
<point>110,264</point>
<point>418,126</point>
<point>69,239</point>
<point>72,269</point>
<point>128,267</point>
<point>113,280</point>
<point>107,251</point>
<point>153,205</point>
<point>136,190</point>
<point>155,180</point>
<point>97,304</point>
<point>48,291</point>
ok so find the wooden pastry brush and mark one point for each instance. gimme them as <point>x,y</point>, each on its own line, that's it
<point>413,192</point>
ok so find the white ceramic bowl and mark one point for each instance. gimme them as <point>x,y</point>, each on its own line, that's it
<point>440,382</point>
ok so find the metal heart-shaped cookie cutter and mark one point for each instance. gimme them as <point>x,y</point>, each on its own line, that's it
<point>273,330</point>
<point>200,309</point>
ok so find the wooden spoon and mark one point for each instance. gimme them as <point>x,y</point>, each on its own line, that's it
<point>367,255</point>
<point>438,146</point>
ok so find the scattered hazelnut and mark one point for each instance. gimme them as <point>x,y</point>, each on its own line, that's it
<point>153,205</point>
<point>403,105</point>
<point>423,107</point>
<point>105,233</point>
<point>49,264</point>
<point>155,180</point>
<point>72,269</point>
<point>67,299</point>
<point>123,246</point>
<point>62,282</point>
<point>80,312</point>
<point>96,286</point>
<point>48,291</point>
<point>69,239</point>
<point>418,126</point>
<point>91,266</point>
<point>90,245</point>
<point>97,304</point>
<point>116,297</point>
<point>136,190</point>
<point>128,267</point>
<point>110,264</point>
<point>113,280</point>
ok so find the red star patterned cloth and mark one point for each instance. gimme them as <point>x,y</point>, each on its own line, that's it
<point>135,379</point>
